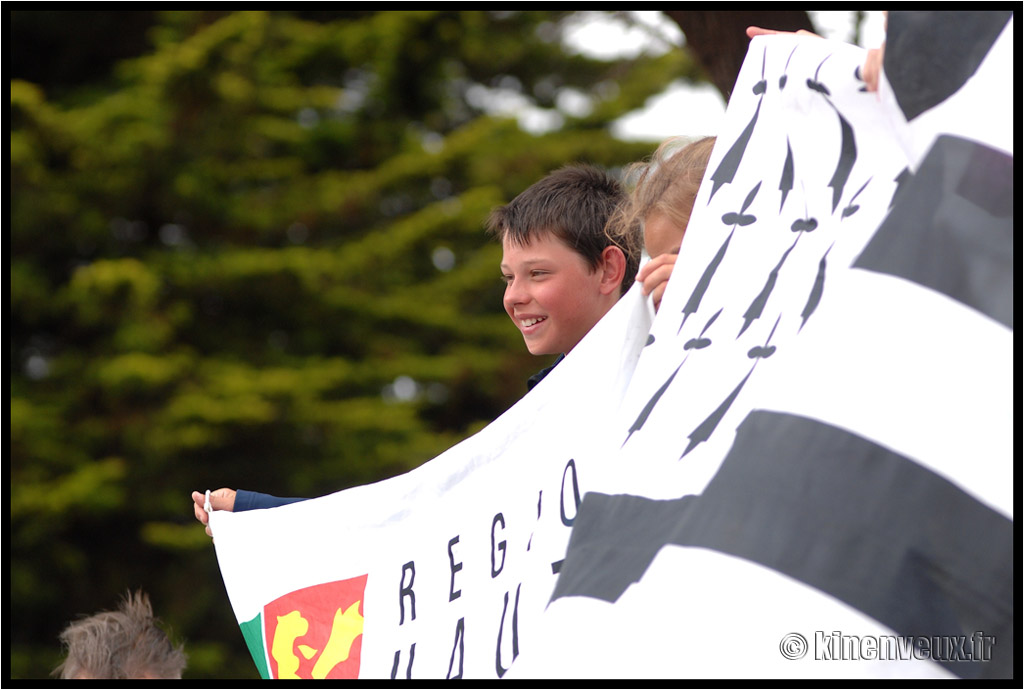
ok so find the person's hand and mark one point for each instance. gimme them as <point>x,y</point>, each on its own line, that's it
<point>872,68</point>
<point>872,65</point>
<point>221,499</point>
<point>654,275</point>
<point>753,31</point>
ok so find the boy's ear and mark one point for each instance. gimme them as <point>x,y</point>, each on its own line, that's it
<point>613,269</point>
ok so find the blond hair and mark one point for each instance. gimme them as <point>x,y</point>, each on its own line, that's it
<point>666,183</point>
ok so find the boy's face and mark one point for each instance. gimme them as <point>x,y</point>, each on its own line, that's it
<point>551,294</point>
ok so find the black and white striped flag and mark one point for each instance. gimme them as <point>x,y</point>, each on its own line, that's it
<point>815,470</point>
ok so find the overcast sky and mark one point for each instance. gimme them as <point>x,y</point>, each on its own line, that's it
<point>681,108</point>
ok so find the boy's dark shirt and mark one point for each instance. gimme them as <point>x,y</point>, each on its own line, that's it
<point>536,378</point>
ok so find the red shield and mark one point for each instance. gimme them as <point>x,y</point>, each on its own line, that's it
<point>316,632</point>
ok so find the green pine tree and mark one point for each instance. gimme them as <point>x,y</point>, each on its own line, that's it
<point>251,254</point>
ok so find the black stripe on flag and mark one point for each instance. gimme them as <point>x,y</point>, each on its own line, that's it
<point>834,511</point>
<point>930,55</point>
<point>951,228</point>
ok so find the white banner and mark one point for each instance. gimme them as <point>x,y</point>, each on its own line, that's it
<point>815,444</point>
<point>814,481</point>
<point>443,571</point>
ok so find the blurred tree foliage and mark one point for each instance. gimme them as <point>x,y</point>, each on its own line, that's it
<point>250,254</point>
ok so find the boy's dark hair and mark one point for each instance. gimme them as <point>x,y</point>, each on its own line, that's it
<point>120,644</point>
<point>573,203</point>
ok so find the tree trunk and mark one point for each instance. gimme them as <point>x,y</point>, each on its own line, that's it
<point>718,40</point>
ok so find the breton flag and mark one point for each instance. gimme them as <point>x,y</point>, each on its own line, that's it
<point>801,468</point>
<point>816,467</point>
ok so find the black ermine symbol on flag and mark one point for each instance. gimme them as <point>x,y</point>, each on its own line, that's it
<point>815,85</point>
<point>756,307</point>
<point>784,78</point>
<point>762,86</point>
<point>805,224</point>
<point>786,181</point>
<point>726,170</point>
<point>742,218</point>
<point>707,427</point>
<point>851,207</point>
<point>646,412</point>
<point>847,157</point>
<point>731,218</point>
<point>693,303</point>
<point>698,343</point>
<point>847,146</point>
<point>816,290</point>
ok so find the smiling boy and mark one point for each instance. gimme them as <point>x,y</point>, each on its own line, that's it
<point>562,271</point>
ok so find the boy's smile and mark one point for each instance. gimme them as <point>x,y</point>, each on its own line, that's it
<point>551,293</point>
